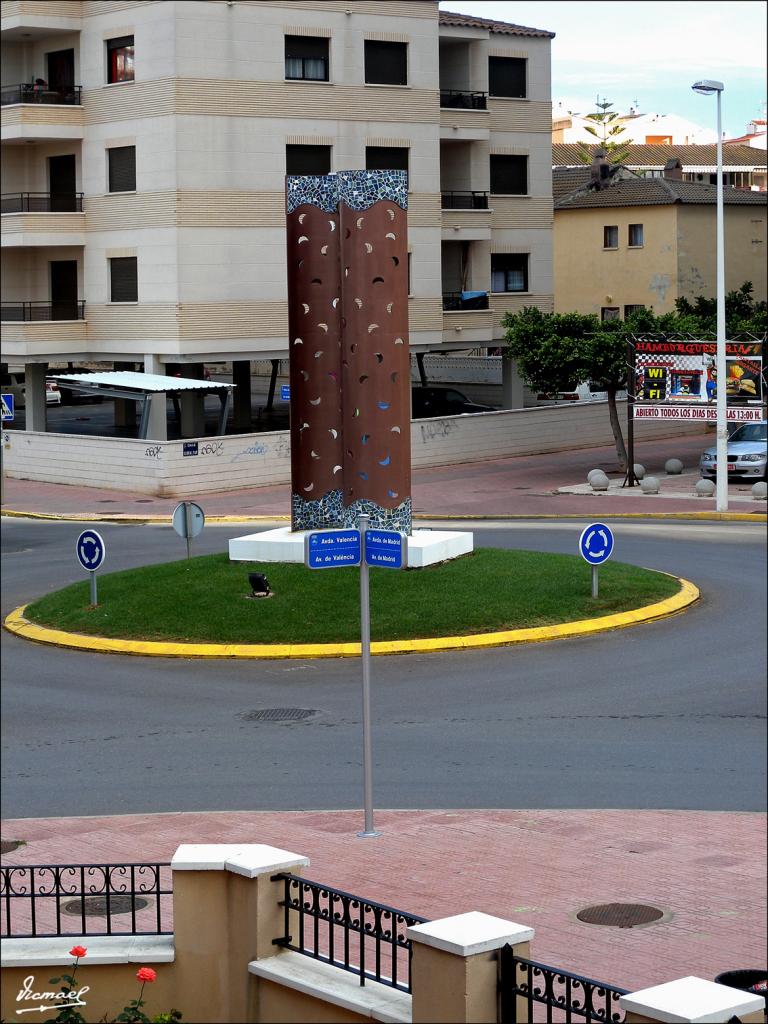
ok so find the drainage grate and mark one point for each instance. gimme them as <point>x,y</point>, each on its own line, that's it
<point>277,714</point>
<point>9,845</point>
<point>620,915</point>
<point>96,906</point>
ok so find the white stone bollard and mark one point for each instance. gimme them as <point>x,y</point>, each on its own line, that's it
<point>760,490</point>
<point>639,471</point>
<point>599,482</point>
<point>704,488</point>
<point>673,467</point>
<point>649,485</point>
<point>594,472</point>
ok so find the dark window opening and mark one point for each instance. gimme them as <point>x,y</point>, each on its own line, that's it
<point>386,63</point>
<point>507,76</point>
<point>632,308</point>
<point>386,158</point>
<point>509,175</point>
<point>611,236</point>
<point>121,161</point>
<point>307,159</point>
<point>509,272</point>
<point>306,57</point>
<point>124,279</point>
<point>635,234</point>
<point>610,313</point>
<point>120,59</point>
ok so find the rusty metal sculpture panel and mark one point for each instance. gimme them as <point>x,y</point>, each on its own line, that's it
<point>349,356</point>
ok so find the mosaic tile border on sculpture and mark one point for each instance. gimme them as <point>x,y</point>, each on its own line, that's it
<point>329,513</point>
<point>358,189</point>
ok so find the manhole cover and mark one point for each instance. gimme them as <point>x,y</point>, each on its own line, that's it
<point>96,906</point>
<point>620,915</point>
<point>9,845</point>
<point>277,714</point>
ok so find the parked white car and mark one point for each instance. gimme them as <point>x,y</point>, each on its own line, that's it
<point>587,392</point>
<point>14,383</point>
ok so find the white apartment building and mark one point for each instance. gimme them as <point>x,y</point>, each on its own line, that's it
<point>145,146</point>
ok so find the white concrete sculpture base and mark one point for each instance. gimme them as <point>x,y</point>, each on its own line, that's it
<point>425,547</point>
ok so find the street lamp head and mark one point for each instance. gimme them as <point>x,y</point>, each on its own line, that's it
<point>706,87</point>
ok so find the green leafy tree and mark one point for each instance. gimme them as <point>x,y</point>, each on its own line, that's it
<point>606,127</point>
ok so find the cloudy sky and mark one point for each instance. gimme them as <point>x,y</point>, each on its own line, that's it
<point>649,51</point>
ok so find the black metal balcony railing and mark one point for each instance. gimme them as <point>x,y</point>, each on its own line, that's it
<point>453,301</point>
<point>17,312</point>
<point>70,96</point>
<point>464,200</point>
<point>41,202</point>
<point>464,100</point>
<point>345,931</point>
<point>85,899</point>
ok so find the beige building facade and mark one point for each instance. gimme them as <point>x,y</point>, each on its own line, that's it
<point>648,242</point>
<point>145,147</point>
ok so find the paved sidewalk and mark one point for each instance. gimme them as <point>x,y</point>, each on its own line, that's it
<point>537,868</point>
<point>522,486</point>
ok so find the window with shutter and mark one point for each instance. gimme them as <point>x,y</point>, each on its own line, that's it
<point>386,158</point>
<point>507,76</point>
<point>509,175</point>
<point>307,159</point>
<point>386,63</point>
<point>509,272</point>
<point>120,59</point>
<point>124,279</point>
<point>306,57</point>
<point>122,168</point>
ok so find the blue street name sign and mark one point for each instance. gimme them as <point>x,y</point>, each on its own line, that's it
<point>385,548</point>
<point>90,550</point>
<point>596,543</point>
<point>285,392</point>
<point>7,408</point>
<point>331,549</point>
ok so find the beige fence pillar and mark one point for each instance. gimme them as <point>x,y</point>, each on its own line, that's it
<point>454,967</point>
<point>691,1000</point>
<point>225,914</point>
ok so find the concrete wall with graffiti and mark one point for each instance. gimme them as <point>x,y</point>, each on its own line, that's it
<point>190,468</point>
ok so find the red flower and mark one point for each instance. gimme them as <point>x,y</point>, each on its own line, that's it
<point>78,951</point>
<point>146,974</point>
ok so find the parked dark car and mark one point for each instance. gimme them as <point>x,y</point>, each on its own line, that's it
<point>429,401</point>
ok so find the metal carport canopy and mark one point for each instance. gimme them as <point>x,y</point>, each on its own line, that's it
<point>141,387</point>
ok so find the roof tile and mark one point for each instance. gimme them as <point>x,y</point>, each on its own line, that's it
<point>497,27</point>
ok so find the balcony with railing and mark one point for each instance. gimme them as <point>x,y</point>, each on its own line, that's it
<point>72,96</point>
<point>454,302</point>
<point>37,312</point>
<point>41,202</point>
<point>463,99</point>
<point>464,200</point>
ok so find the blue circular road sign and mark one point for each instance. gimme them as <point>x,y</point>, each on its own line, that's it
<point>90,550</point>
<point>596,543</point>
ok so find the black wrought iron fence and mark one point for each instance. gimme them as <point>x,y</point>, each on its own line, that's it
<point>453,301</point>
<point>525,986</point>
<point>456,200</point>
<point>41,202</point>
<point>25,93</point>
<point>367,939</point>
<point>67,309</point>
<point>85,899</point>
<point>463,99</point>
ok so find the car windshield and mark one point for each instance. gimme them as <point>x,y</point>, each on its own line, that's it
<point>751,432</point>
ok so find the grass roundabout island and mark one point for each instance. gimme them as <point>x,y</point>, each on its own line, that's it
<point>202,607</point>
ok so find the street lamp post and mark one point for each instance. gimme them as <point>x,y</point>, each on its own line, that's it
<point>706,88</point>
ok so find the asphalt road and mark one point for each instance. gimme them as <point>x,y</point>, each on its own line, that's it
<point>666,715</point>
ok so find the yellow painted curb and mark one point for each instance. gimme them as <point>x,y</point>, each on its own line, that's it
<point>18,624</point>
<point>132,519</point>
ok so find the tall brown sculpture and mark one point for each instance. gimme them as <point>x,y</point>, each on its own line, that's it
<point>349,356</point>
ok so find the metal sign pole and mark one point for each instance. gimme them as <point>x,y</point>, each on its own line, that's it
<point>187,525</point>
<point>594,581</point>
<point>94,595</point>
<point>365,643</point>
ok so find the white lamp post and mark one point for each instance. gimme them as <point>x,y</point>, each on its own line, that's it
<point>706,88</point>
